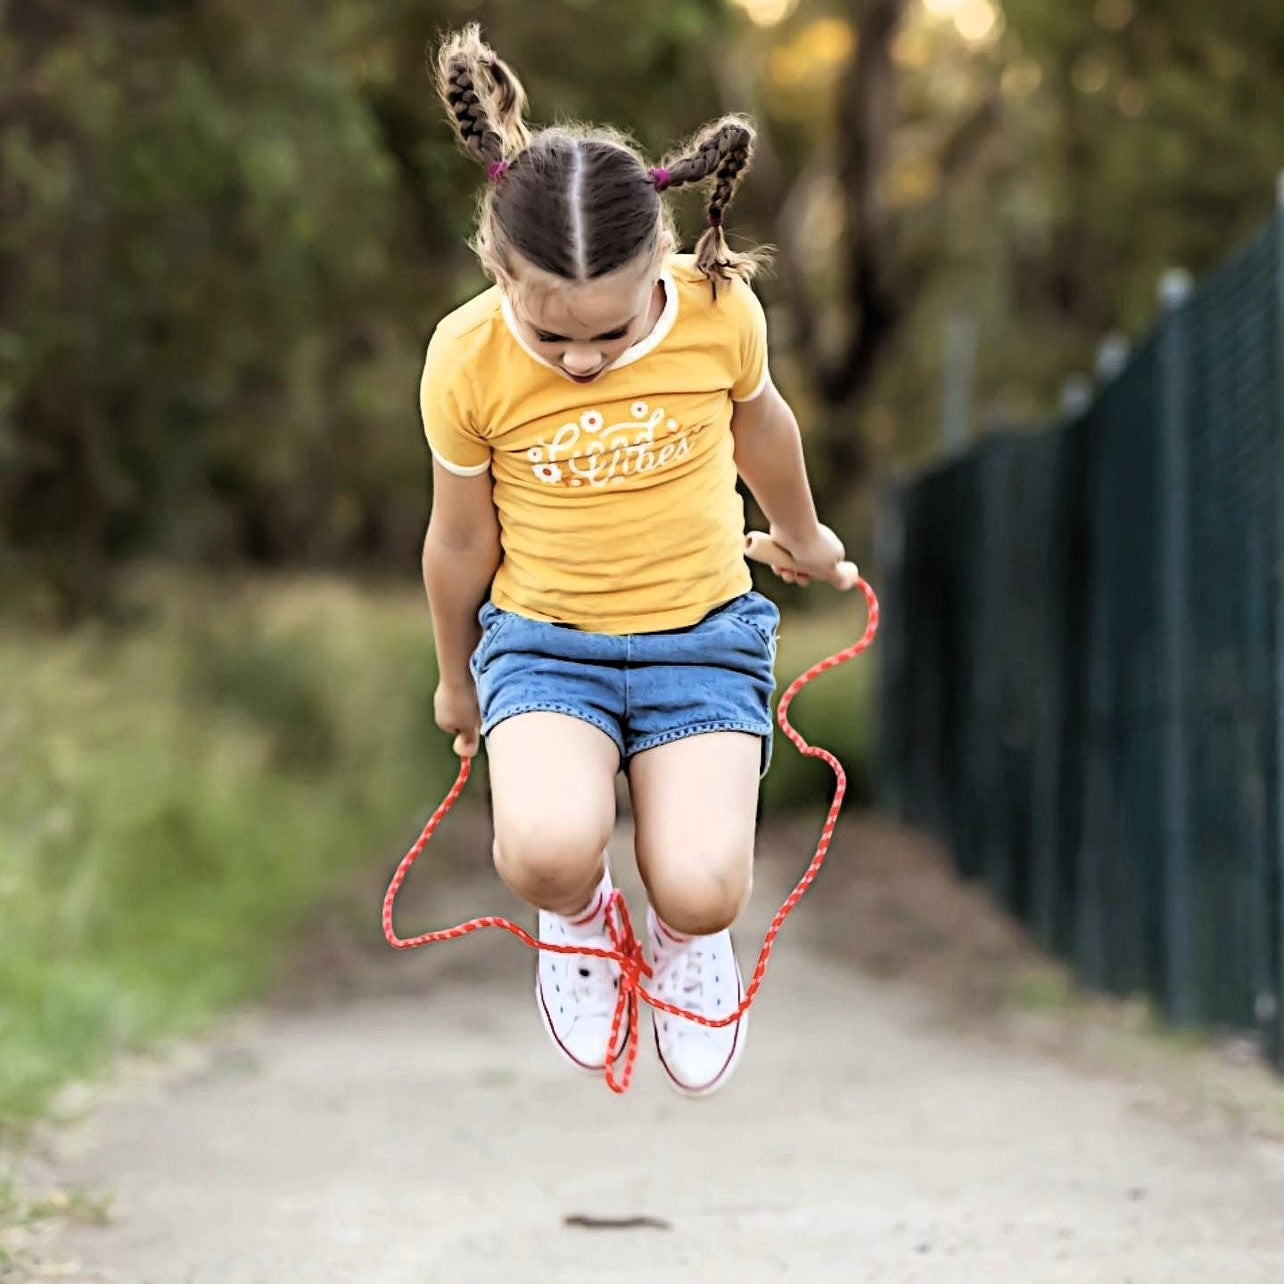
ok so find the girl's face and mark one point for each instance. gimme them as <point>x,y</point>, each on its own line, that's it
<point>584,327</point>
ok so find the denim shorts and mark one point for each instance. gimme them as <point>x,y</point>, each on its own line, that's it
<point>641,689</point>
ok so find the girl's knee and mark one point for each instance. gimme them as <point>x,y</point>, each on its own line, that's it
<point>550,868</point>
<point>703,898</point>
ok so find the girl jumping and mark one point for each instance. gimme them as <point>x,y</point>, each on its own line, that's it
<point>593,612</point>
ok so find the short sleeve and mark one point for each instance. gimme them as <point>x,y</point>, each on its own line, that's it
<point>455,445</point>
<point>751,326</point>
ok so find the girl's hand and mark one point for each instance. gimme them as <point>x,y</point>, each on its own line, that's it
<point>799,561</point>
<point>455,709</point>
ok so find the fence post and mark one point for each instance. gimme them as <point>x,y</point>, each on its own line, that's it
<point>960,377</point>
<point>1076,396</point>
<point>1174,608</point>
<point>1112,357</point>
<point>891,757</point>
<point>1275,1018</point>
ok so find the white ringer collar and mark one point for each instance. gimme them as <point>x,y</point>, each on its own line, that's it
<point>659,331</point>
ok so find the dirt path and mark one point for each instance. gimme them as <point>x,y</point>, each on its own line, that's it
<point>402,1121</point>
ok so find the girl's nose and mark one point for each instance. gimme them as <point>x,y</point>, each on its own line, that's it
<point>581,361</point>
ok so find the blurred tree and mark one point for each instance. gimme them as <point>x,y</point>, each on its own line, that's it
<point>193,225</point>
<point>828,83</point>
<point>227,228</point>
<point>1157,138</point>
<point>1029,167</point>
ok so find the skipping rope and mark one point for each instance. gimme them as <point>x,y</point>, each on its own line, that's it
<point>626,949</point>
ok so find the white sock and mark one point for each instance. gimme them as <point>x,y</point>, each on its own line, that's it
<point>591,921</point>
<point>665,938</point>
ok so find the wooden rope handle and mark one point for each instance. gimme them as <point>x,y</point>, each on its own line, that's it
<point>762,548</point>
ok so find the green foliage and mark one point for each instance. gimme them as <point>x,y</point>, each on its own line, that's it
<point>836,712</point>
<point>228,229</point>
<point>1159,137</point>
<point>180,795</point>
<point>1131,136</point>
<point>1041,172</point>
<point>189,241</point>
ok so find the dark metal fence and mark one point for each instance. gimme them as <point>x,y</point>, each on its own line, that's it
<point>1083,658</point>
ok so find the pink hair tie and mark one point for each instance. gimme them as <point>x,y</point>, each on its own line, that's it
<point>496,170</point>
<point>660,177</point>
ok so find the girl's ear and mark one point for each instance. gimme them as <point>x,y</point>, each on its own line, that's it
<point>667,243</point>
<point>504,279</point>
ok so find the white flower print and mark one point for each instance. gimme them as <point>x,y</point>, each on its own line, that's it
<point>590,451</point>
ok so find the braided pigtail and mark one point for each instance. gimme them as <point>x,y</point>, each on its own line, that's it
<point>484,97</point>
<point>723,150</point>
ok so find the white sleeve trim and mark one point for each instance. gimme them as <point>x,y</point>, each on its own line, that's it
<point>759,390</point>
<point>475,471</point>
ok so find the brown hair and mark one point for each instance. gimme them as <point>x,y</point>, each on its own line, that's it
<point>574,201</point>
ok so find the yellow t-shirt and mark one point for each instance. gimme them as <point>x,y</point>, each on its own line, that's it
<point>617,499</point>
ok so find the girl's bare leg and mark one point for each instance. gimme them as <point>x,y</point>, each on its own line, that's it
<point>695,806</point>
<point>553,795</point>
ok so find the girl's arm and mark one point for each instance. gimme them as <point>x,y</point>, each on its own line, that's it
<point>461,555</point>
<point>769,456</point>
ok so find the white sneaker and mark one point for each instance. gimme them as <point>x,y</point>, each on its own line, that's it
<point>576,995</point>
<point>699,974</point>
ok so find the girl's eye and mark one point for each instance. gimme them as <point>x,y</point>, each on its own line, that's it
<point>544,337</point>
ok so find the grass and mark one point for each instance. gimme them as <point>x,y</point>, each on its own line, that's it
<point>22,1217</point>
<point>180,793</point>
<point>1186,1072</point>
<point>836,712</point>
<point>1045,987</point>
